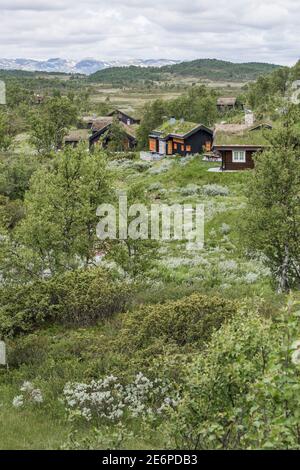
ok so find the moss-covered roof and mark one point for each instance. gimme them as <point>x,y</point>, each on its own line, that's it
<point>77,135</point>
<point>241,135</point>
<point>178,128</point>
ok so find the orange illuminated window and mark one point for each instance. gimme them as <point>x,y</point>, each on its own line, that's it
<point>182,148</point>
<point>188,148</point>
<point>175,146</point>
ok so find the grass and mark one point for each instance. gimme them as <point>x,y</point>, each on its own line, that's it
<point>179,127</point>
<point>28,429</point>
<point>255,137</point>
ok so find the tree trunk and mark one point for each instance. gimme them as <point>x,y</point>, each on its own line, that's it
<point>283,281</point>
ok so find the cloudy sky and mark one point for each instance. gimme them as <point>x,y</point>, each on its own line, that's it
<point>238,30</point>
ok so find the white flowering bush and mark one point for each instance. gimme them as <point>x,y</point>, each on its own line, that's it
<point>155,187</point>
<point>296,353</point>
<point>215,190</point>
<point>251,278</point>
<point>229,265</point>
<point>162,168</point>
<point>109,400</point>
<point>30,395</point>
<point>225,229</point>
<point>190,190</point>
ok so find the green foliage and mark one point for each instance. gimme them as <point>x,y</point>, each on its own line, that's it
<point>76,298</point>
<point>50,124</point>
<point>5,136</point>
<point>198,105</point>
<point>15,174</point>
<point>121,75</point>
<point>215,405</point>
<point>134,256</point>
<point>214,69</point>
<point>272,216</point>
<point>153,116</point>
<point>190,320</point>
<point>59,230</point>
<point>11,213</point>
<point>243,392</point>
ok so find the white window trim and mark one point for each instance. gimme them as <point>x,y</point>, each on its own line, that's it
<point>237,159</point>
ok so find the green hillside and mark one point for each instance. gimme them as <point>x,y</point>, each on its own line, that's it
<point>211,69</point>
<point>221,70</point>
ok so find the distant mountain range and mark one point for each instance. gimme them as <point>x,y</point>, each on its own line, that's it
<point>86,66</point>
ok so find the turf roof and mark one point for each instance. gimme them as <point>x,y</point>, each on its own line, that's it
<point>180,128</point>
<point>243,137</point>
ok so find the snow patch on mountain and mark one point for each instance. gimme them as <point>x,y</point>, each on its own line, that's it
<point>85,66</point>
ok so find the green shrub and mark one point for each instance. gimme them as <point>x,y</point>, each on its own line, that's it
<point>75,298</point>
<point>190,320</point>
<point>216,406</point>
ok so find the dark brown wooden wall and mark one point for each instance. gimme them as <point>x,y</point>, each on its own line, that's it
<point>228,164</point>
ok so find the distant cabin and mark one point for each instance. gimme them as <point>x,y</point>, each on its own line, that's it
<point>88,121</point>
<point>238,143</point>
<point>100,133</point>
<point>75,137</point>
<point>124,117</point>
<point>226,103</point>
<point>38,99</point>
<point>180,137</point>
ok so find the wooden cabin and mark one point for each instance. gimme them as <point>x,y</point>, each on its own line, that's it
<point>180,137</point>
<point>226,103</point>
<point>100,133</point>
<point>124,117</point>
<point>75,137</point>
<point>238,143</point>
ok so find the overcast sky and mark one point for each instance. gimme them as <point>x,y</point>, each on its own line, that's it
<point>238,30</point>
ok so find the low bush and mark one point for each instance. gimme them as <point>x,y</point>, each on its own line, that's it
<point>76,298</point>
<point>190,320</point>
<point>215,190</point>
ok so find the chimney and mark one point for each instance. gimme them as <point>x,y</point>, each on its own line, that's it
<point>172,120</point>
<point>249,117</point>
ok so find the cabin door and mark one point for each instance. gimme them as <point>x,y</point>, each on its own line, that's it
<point>152,145</point>
<point>162,147</point>
<point>208,146</point>
<point>170,147</point>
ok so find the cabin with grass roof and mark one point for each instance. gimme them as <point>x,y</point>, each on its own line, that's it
<point>76,137</point>
<point>238,143</point>
<point>179,137</point>
<point>101,134</point>
<point>124,117</point>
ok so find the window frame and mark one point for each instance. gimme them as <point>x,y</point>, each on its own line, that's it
<point>239,160</point>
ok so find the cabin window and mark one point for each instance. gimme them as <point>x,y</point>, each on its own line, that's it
<point>182,148</point>
<point>188,148</point>
<point>239,156</point>
<point>175,146</point>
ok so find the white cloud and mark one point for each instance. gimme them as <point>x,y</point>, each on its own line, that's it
<point>241,30</point>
